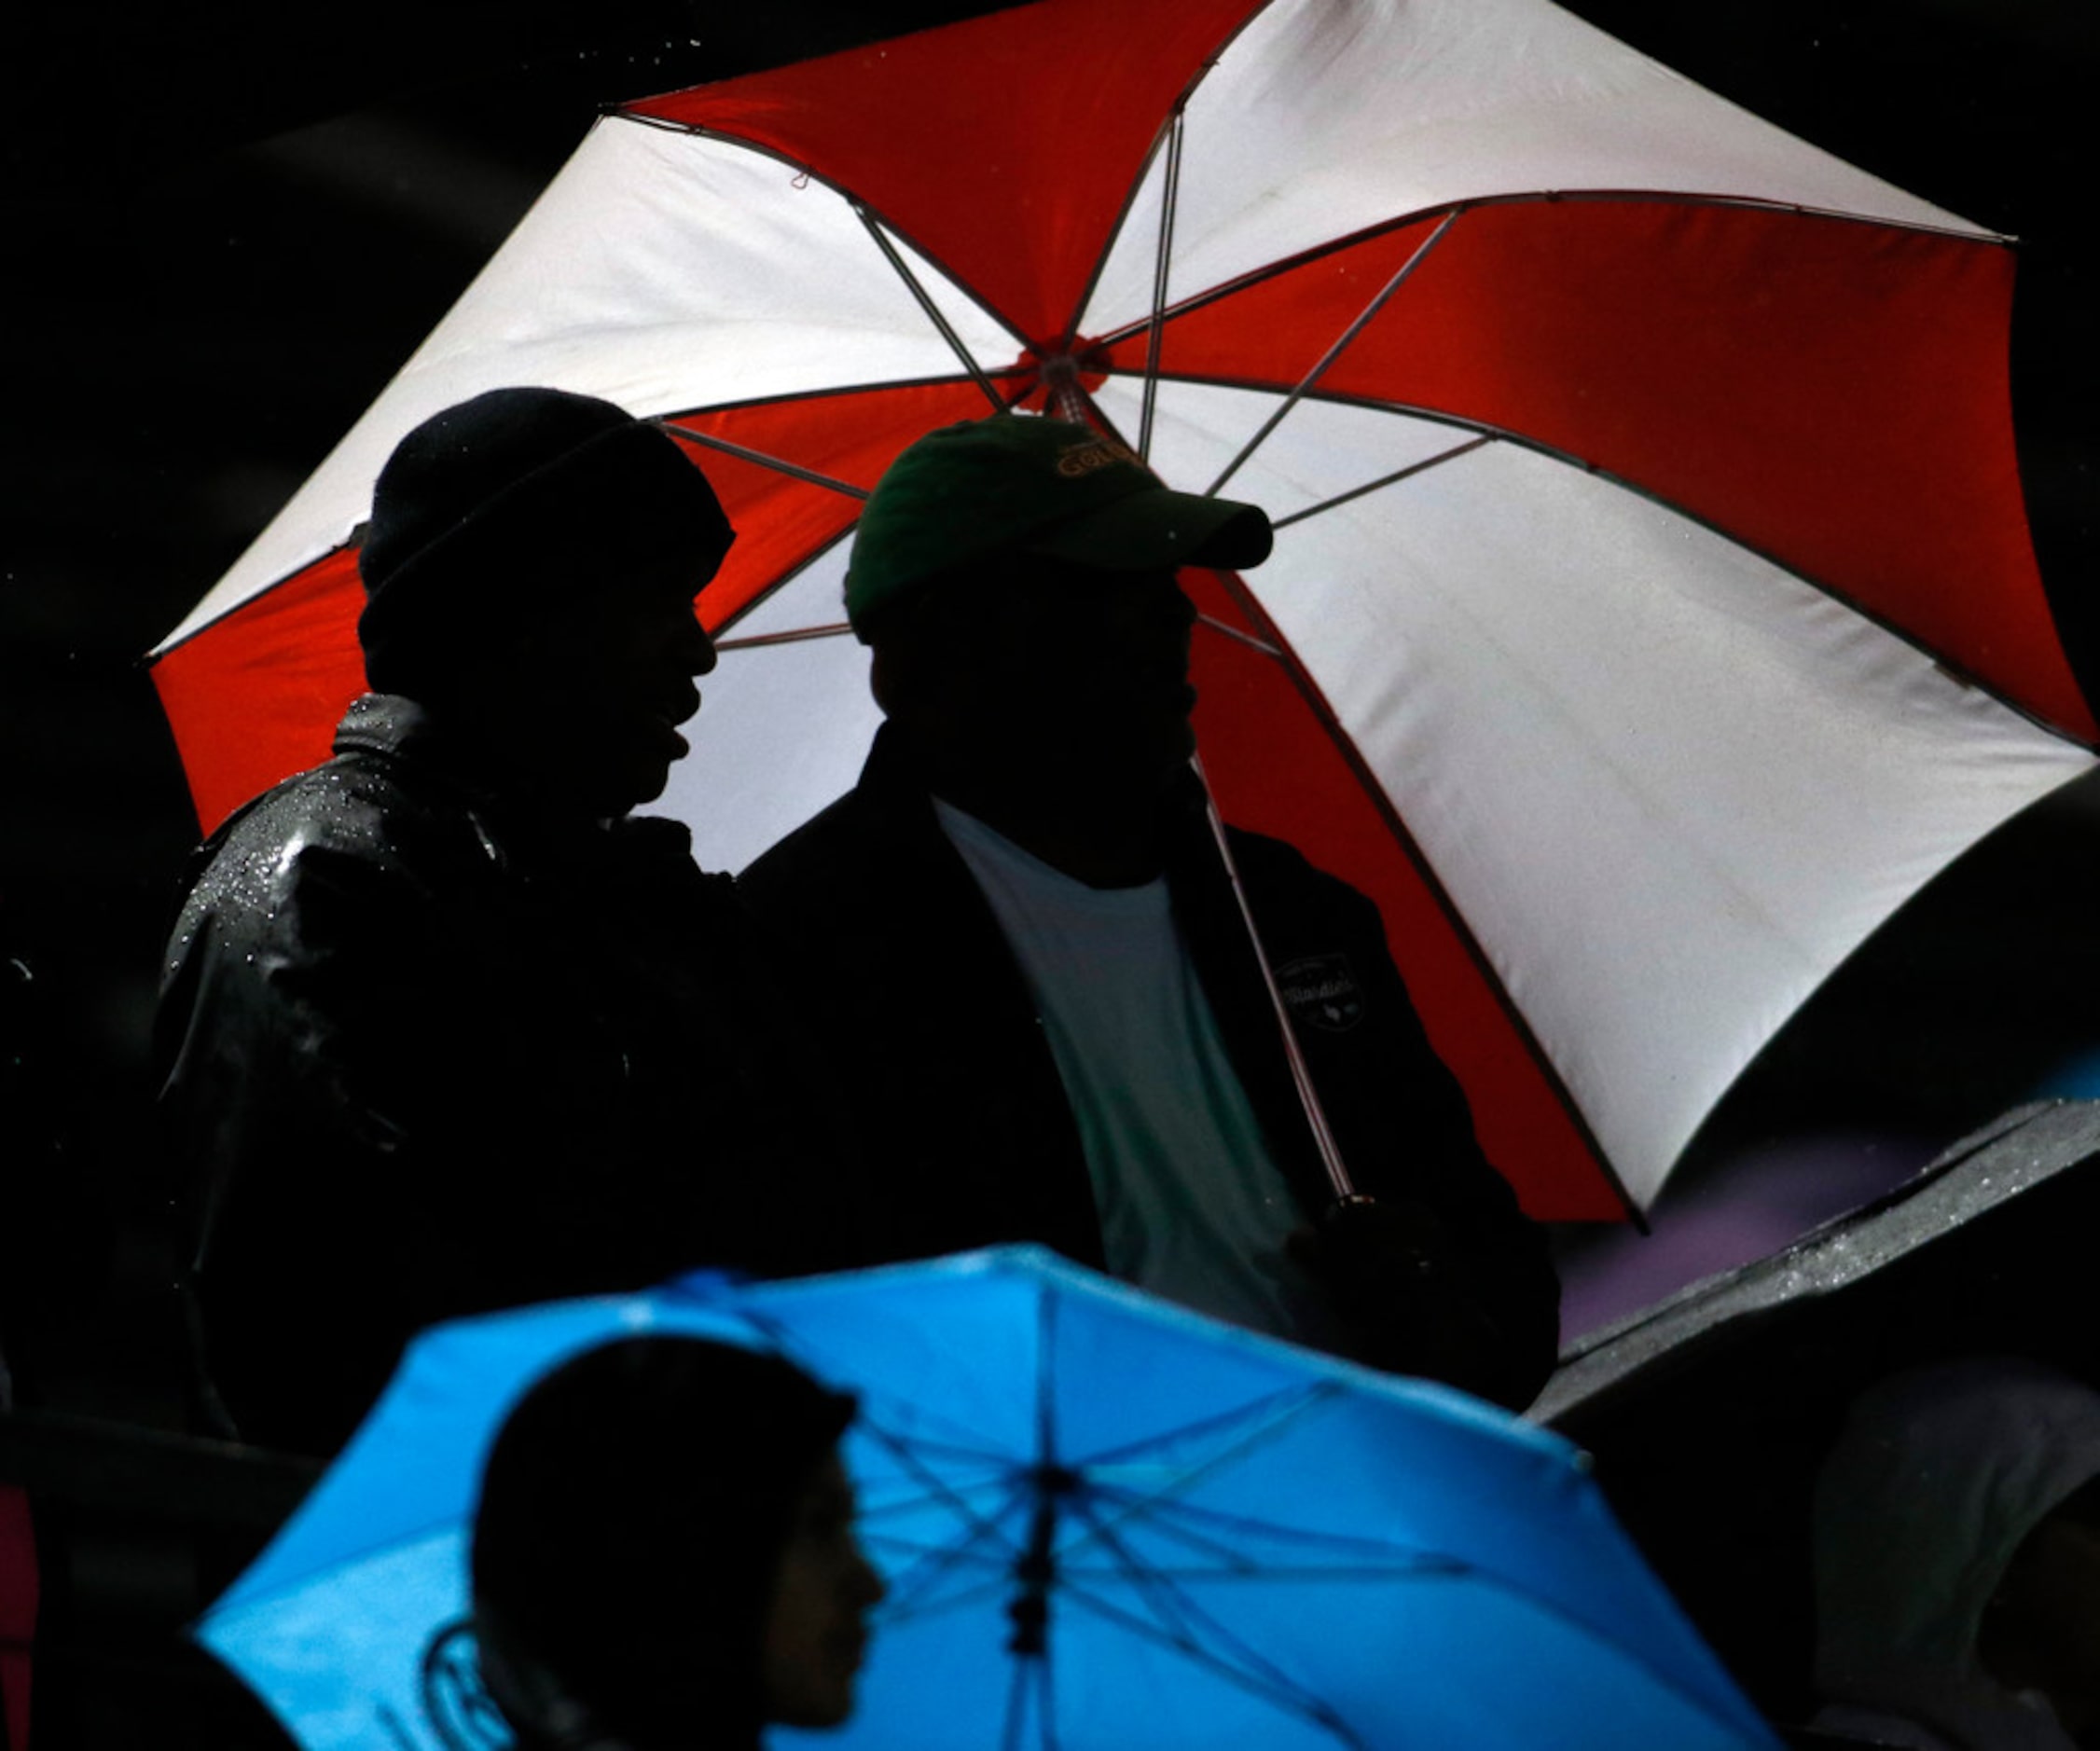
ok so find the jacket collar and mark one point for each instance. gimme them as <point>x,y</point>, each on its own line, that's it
<point>404,733</point>
<point>401,729</point>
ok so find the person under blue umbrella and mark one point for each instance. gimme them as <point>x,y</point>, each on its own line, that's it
<point>664,1555</point>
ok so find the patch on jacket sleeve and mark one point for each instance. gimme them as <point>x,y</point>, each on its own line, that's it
<point>1321,991</point>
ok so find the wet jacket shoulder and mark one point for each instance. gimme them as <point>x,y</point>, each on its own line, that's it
<point>421,1056</point>
<point>963,1112</point>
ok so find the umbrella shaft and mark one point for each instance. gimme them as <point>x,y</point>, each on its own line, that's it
<point>1338,1179</point>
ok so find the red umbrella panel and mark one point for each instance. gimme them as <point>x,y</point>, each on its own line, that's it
<point>1653,609</point>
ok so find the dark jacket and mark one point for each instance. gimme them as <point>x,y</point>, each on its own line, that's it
<point>962,1118</point>
<point>425,1053</point>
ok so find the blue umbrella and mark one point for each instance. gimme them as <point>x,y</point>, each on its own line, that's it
<point>1101,1519</point>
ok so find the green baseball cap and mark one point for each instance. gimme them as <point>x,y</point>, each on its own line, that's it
<point>1023,483</point>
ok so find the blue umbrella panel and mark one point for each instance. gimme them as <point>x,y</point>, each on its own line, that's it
<point>1100,1519</point>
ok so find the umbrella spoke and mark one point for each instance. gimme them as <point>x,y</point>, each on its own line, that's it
<point>1046,1700</point>
<point>918,1501</point>
<point>939,1562</point>
<point>1425,1568</point>
<point>1169,193</point>
<point>743,453</point>
<point>1384,480</point>
<point>1271,1686</point>
<point>926,303</point>
<point>758,640</point>
<point>1400,277</point>
<point>1165,1513</point>
<point>963,1599</point>
<point>954,1555</point>
<point>937,1447</point>
<point>1017,1700</point>
<point>1275,1410</point>
<point>1231,631</point>
<point>938,1488</point>
<point>1046,1388</point>
<point>1213,1533</point>
<point>1277,1413</point>
<point>981,1527</point>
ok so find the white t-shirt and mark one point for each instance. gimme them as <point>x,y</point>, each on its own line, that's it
<point>1191,1205</point>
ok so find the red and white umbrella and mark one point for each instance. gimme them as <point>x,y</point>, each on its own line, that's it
<point>1652,610</point>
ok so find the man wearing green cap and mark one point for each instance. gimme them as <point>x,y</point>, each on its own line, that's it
<point>1020,937</point>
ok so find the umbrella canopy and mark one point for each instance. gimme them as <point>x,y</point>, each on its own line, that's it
<point>1227,1538</point>
<point>1709,1413</point>
<point>1652,610</point>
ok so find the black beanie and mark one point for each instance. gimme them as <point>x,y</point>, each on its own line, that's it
<point>633,1511</point>
<point>508,506</point>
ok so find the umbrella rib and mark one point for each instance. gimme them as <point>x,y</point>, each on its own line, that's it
<point>826,393</point>
<point>1427,1568</point>
<point>1169,195</point>
<point>1955,671</point>
<point>1394,478</point>
<point>744,453</point>
<point>1267,1414</point>
<point>952,1555</point>
<point>918,1504</point>
<point>1045,1398</point>
<point>926,1573</point>
<point>1399,222</point>
<point>1016,1699</point>
<point>918,1605</point>
<point>998,1472</point>
<point>808,172</point>
<point>955,1450</point>
<point>1271,1688</point>
<point>1315,1109</point>
<point>1045,1700</point>
<point>926,303</point>
<point>1415,257</point>
<point>981,1526</point>
<point>1188,1621</point>
<point>1247,15</point>
<point>937,1487</point>
<point>1185,1523</point>
<point>918,1610</point>
<point>759,641</point>
<point>786,577</point>
<point>1138,1505</point>
<point>1231,631</point>
<point>1324,713</point>
<point>1181,1613</point>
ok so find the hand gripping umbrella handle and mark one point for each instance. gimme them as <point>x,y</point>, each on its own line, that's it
<point>1309,1096</point>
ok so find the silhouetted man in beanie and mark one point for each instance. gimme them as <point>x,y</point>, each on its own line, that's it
<point>1020,935</point>
<point>441,1027</point>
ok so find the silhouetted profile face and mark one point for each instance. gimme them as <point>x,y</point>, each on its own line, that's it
<point>816,1632</point>
<point>1046,673</point>
<point>664,1553</point>
<point>588,705</point>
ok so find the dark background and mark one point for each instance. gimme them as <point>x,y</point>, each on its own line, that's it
<point>229,225</point>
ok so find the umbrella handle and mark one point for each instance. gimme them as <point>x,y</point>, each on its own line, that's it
<point>1338,1177</point>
